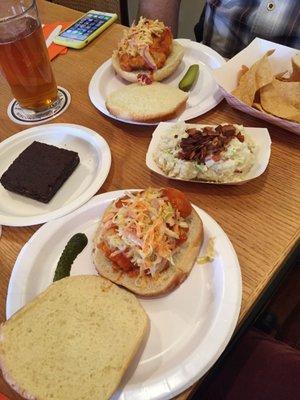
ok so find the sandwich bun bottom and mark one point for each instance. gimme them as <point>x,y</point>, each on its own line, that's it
<point>166,280</point>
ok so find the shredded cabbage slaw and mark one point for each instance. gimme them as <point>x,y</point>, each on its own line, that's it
<point>146,228</point>
<point>209,253</point>
<point>137,39</point>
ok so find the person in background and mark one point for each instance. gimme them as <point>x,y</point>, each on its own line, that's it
<point>228,26</point>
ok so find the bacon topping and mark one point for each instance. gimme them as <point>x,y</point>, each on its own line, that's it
<point>208,142</point>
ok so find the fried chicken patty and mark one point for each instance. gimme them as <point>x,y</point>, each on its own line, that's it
<point>159,51</point>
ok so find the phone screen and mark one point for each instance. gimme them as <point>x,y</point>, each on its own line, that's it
<point>83,28</point>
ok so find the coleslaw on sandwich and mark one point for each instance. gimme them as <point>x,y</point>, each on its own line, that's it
<point>141,231</point>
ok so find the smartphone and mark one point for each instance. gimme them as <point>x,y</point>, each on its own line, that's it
<point>85,29</point>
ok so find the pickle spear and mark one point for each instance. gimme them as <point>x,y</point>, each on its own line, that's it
<point>189,78</point>
<point>74,247</point>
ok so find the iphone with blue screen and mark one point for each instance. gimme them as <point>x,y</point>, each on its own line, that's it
<point>85,29</point>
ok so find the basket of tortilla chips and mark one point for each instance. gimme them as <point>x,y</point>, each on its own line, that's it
<point>263,80</point>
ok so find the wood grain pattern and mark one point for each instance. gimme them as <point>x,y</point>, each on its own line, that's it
<point>261,218</point>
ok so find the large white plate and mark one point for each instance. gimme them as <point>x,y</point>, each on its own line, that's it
<point>95,160</point>
<point>260,137</point>
<point>190,327</point>
<point>204,96</point>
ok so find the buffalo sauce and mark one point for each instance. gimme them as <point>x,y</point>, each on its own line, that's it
<point>120,260</point>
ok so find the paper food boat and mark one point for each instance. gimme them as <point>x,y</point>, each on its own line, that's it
<point>226,76</point>
<point>260,137</point>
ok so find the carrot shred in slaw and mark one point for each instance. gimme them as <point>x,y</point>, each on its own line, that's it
<point>145,228</point>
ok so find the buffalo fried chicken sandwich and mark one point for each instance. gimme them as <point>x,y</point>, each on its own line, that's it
<point>148,241</point>
<point>147,49</point>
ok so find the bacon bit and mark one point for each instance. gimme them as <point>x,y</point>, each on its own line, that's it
<point>207,142</point>
<point>227,130</point>
<point>191,131</point>
<point>145,79</point>
<point>240,137</point>
<point>216,157</point>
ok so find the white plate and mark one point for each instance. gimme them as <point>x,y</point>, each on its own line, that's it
<point>260,136</point>
<point>202,98</point>
<point>190,327</point>
<point>95,160</point>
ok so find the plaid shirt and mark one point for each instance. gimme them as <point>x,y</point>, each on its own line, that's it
<point>230,25</point>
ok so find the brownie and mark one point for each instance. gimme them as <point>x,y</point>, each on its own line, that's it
<point>39,171</point>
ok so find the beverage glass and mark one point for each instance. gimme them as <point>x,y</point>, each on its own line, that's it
<point>24,56</point>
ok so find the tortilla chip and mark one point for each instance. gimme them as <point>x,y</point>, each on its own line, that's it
<point>259,75</point>
<point>258,107</point>
<point>282,99</point>
<point>281,76</point>
<point>241,72</point>
<point>295,77</point>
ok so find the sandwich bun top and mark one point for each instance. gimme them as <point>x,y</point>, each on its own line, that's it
<point>146,103</point>
<point>73,341</point>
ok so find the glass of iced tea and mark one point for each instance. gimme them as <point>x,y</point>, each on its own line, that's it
<point>24,57</point>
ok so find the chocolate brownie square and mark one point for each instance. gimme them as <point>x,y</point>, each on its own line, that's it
<point>39,171</point>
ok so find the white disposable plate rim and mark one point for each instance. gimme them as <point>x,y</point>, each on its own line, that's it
<point>197,364</point>
<point>263,153</point>
<point>102,172</point>
<point>99,102</point>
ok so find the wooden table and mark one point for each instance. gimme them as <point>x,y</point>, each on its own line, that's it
<point>261,217</point>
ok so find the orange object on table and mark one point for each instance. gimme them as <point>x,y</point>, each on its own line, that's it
<point>55,49</point>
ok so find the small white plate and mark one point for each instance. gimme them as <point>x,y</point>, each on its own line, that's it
<point>85,181</point>
<point>204,96</point>
<point>260,137</point>
<point>190,327</point>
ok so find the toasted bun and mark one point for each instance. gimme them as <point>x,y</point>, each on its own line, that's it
<point>166,280</point>
<point>146,103</point>
<point>170,66</point>
<point>73,341</point>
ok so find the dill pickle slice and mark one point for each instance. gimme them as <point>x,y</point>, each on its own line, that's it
<point>74,247</point>
<point>189,78</point>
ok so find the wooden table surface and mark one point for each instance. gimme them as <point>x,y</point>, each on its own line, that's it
<point>261,217</point>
